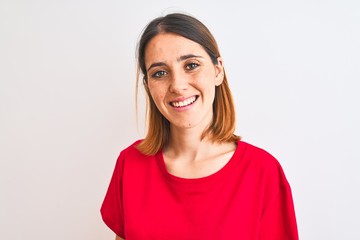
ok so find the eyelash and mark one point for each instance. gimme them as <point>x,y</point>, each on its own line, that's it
<point>192,66</point>
<point>159,74</point>
<point>189,67</point>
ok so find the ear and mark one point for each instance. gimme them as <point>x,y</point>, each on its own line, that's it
<point>146,86</point>
<point>219,72</point>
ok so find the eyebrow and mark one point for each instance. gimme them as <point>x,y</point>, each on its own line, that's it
<point>181,58</point>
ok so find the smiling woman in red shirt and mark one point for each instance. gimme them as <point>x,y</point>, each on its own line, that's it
<point>191,177</point>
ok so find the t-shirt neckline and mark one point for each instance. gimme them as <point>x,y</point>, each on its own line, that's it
<point>217,176</point>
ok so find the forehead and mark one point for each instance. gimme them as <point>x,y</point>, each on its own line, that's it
<point>166,46</point>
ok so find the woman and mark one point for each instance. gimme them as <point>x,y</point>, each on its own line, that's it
<point>191,177</point>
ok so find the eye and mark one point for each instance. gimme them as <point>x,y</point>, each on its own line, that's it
<point>159,74</point>
<point>191,66</point>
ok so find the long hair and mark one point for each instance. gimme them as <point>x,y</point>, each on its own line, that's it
<point>222,126</point>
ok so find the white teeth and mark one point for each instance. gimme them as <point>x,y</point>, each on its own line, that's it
<point>184,103</point>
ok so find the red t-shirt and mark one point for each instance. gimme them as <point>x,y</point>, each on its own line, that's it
<point>248,199</point>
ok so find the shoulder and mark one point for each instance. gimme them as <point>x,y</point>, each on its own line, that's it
<point>131,149</point>
<point>258,154</point>
<point>131,153</point>
<point>263,163</point>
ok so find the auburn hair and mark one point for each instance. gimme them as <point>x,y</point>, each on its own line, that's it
<point>222,126</point>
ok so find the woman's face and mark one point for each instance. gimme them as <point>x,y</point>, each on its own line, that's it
<point>181,80</point>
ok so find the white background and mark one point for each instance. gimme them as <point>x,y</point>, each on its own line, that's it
<point>67,105</point>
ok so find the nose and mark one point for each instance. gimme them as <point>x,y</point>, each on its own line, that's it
<point>178,82</point>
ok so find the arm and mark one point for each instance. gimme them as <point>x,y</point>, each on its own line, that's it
<point>279,220</point>
<point>119,238</point>
<point>111,208</point>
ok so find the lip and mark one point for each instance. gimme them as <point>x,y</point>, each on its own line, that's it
<point>176,103</point>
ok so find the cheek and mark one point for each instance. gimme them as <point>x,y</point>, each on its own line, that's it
<point>157,95</point>
<point>207,84</point>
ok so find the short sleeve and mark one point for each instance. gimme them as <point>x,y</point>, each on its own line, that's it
<point>278,220</point>
<point>112,206</point>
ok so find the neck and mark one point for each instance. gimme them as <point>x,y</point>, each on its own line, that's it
<point>187,142</point>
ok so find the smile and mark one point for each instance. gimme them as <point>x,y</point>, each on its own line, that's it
<point>184,103</point>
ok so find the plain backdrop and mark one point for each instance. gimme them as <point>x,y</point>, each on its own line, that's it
<point>67,104</point>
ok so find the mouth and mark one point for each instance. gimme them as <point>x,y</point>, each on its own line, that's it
<point>185,102</point>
